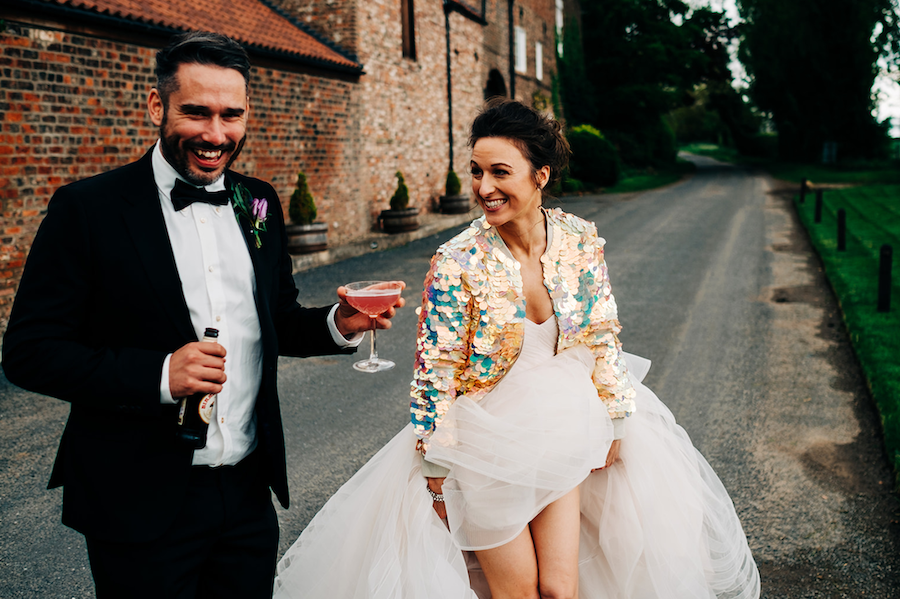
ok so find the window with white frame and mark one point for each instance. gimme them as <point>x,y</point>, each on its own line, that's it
<point>559,27</point>
<point>539,61</point>
<point>521,51</point>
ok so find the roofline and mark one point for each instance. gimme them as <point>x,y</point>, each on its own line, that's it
<point>310,31</point>
<point>163,31</point>
<point>466,11</point>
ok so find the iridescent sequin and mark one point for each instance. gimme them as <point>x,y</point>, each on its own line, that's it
<point>471,323</point>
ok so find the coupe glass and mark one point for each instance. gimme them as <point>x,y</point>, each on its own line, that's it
<point>373,298</point>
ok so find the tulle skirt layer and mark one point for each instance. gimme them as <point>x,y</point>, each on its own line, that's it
<point>658,524</point>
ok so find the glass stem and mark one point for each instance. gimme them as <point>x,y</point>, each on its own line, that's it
<point>373,355</point>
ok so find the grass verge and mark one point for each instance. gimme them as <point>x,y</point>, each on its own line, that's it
<point>873,219</point>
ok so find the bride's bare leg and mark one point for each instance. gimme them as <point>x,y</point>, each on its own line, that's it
<point>511,569</point>
<point>549,546</point>
<point>555,532</point>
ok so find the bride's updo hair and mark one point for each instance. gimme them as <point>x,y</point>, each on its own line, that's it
<point>539,137</point>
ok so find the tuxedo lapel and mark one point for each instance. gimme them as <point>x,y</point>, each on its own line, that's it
<point>144,219</point>
<point>257,254</point>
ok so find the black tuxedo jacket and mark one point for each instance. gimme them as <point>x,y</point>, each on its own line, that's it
<point>99,306</point>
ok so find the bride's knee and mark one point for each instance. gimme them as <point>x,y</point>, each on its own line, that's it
<point>523,592</point>
<point>560,589</point>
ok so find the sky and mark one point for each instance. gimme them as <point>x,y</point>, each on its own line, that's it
<point>886,87</point>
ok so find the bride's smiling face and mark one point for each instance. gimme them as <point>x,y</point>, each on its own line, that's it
<point>504,183</point>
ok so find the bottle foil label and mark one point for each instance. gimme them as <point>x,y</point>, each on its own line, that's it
<point>206,407</point>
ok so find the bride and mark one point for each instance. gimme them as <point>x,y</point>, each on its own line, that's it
<point>536,464</point>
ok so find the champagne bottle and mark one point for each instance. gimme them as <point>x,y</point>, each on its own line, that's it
<point>195,411</point>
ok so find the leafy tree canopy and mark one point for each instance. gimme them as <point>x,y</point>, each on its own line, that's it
<point>812,65</point>
<point>642,57</point>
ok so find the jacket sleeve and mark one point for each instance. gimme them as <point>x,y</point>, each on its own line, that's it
<point>46,347</point>
<point>442,345</point>
<point>602,336</point>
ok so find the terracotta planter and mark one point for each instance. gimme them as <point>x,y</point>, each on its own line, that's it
<point>398,221</point>
<point>306,239</point>
<point>459,204</point>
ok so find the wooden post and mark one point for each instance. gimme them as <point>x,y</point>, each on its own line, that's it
<point>802,191</point>
<point>884,278</point>
<point>842,230</point>
<point>818,217</point>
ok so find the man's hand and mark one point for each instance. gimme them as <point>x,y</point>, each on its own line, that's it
<point>350,321</point>
<point>197,367</point>
<point>437,485</point>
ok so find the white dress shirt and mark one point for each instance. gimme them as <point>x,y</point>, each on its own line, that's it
<point>219,286</point>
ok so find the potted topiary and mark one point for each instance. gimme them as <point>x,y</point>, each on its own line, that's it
<point>305,236</point>
<point>454,202</point>
<point>400,217</point>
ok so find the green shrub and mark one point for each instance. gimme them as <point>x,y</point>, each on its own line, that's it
<point>400,199</point>
<point>453,186</point>
<point>594,159</point>
<point>302,208</point>
<point>570,185</point>
<point>650,143</point>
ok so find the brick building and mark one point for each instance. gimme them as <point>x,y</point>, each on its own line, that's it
<point>348,91</point>
<point>430,64</point>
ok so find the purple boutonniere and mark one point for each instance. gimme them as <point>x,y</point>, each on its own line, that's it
<point>255,210</point>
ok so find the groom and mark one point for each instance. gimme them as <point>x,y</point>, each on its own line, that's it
<point>126,272</point>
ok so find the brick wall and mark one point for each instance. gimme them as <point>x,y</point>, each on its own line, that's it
<point>72,106</point>
<point>496,42</point>
<point>538,18</point>
<point>468,89</point>
<point>404,104</point>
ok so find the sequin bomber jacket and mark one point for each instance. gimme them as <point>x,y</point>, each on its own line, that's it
<point>472,319</point>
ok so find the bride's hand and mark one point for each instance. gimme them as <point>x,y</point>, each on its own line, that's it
<point>613,454</point>
<point>436,485</point>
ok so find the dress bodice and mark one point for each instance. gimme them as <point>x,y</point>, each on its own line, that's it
<point>538,345</point>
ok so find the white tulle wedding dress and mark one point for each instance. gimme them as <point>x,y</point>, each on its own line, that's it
<point>657,524</point>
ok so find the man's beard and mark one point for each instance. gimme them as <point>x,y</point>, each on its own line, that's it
<point>177,155</point>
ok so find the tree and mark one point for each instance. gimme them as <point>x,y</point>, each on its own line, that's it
<point>577,93</point>
<point>812,65</point>
<point>643,57</point>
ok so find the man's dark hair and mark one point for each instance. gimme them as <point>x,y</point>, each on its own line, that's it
<point>198,47</point>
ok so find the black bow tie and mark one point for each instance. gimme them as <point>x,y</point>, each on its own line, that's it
<point>183,195</point>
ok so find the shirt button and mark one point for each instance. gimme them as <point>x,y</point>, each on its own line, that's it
<point>210,269</point>
<point>218,318</point>
<point>203,221</point>
<point>218,210</point>
<point>222,421</point>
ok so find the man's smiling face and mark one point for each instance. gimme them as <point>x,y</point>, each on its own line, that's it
<point>203,122</point>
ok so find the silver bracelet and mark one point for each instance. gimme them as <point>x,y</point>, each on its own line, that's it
<point>438,497</point>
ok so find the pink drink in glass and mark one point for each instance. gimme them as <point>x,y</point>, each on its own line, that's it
<point>373,301</point>
<point>373,298</point>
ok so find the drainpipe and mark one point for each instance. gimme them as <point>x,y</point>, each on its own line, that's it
<point>449,85</point>
<point>512,51</point>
